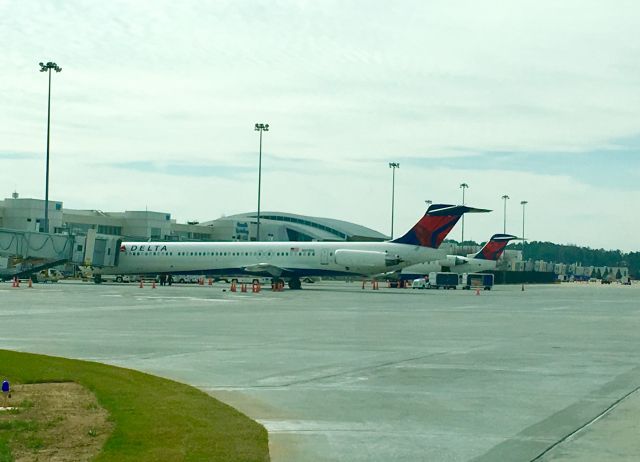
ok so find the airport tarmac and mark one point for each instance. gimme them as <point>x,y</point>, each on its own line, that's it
<point>336,373</point>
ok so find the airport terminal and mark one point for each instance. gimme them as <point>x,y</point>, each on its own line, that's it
<point>22,225</point>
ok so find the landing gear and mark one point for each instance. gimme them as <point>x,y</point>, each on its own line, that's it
<point>295,284</point>
<point>97,279</point>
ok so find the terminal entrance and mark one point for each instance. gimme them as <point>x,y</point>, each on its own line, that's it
<point>23,253</point>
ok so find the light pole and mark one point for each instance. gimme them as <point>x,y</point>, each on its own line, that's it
<point>393,166</point>
<point>523,203</point>
<point>505,198</point>
<point>47,68</point>
<point>463,186</point>
<point>260,128</point>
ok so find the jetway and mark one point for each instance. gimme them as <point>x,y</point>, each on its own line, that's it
<point>23,252</point>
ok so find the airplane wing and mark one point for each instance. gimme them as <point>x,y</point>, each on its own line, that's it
<point>266,268</point>
<point>388,275</point>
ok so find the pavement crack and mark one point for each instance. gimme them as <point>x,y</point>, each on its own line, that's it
<point>587,424</point>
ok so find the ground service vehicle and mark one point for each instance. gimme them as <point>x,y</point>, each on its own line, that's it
<point>443,280</point>
<point>420,283</point>
<point>477,281</point>
<point>47,275</point>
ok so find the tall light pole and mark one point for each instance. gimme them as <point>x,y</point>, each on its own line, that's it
<point>505,198</point>
<point>523,203</point>
<point>463,186</point>
<point>47,68</point>
<point>260,128</point>
<point>393,166</point>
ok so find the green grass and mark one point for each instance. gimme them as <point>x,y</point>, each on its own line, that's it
<point>155,419</point>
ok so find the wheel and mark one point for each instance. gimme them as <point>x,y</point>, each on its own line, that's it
<point>295,284</point>
<point>119,279</point>
<point>97,279</point>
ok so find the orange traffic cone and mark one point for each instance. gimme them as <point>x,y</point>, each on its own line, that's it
<point>477,291</point>
<point>141,283</point>
<point>210,281</point>
<point>30,283</point>
<point>233,286</point>
<point>153,284</point>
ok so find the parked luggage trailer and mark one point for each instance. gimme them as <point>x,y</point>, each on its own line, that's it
<point>478,281</point>
<point>443,280</point>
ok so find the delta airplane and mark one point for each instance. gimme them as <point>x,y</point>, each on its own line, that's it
<point>292,261</point>
<point>484,260</point>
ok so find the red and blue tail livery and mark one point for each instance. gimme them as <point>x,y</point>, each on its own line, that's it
<point>494,248</point>
<point>434,226</point>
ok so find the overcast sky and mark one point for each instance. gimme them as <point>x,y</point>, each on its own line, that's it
<point>156,103</point>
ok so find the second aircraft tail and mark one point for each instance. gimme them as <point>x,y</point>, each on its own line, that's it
<point>494,248</point>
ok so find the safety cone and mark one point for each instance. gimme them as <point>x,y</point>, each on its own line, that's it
<point>153,284</point>
<point>243,287</point>
<point>210,281</point>
<point>256,287</point>
<point>233,286</point>
<point>141,283</point>
<point>477,291</point>
<point>13,282</point>
<point>30,283</point>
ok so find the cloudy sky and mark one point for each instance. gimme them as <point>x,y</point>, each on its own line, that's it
<point>156,103</point>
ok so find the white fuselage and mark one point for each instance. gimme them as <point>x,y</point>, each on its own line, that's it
<point>286,259</point>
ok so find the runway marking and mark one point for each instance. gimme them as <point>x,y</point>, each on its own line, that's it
<point>213,300</point>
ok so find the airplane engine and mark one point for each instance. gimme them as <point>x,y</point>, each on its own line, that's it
<point>453,260</point>
<point>365,258</point>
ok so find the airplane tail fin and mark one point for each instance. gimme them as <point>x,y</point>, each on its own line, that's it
<point>434,226</point>
<point>494,248</point>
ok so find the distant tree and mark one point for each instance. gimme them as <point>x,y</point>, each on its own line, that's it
<point>594,275</point>
<point>605,274</point>
<point>598,274</point>
<point>618,274</point>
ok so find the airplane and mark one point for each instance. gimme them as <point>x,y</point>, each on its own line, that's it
<point>483,260</point>
<point>292,261</point>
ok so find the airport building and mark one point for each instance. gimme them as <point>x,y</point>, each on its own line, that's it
<point>28,215</point>
<point>279,226</point>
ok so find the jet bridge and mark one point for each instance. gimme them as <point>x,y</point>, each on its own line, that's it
<point>26,252</point>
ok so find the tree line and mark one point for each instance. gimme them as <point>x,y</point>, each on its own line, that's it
<point>569,254</point>
<point>584,256</point>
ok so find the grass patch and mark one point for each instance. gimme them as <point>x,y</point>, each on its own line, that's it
<point>155,419</point>
<point>5,451</point>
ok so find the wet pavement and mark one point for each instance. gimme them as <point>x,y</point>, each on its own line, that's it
<point>336,373</point>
